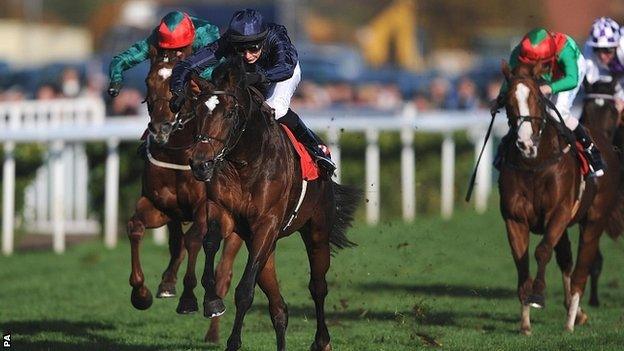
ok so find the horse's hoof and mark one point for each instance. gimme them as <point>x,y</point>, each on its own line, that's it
<point>187,305</point>
<point>526,332</point>
<point>233,345</point>
<point>316,347</point>
<point>581,318</point>
<point>141,298</point>
<point>213,308</point>
<point>535,301</point>
<point>166,290</point>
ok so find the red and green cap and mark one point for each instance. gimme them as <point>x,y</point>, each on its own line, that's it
<point>537,45</point>
<point>176,30</point>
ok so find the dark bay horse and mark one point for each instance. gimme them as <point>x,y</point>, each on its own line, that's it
<point>539,187</point>
<point>600,113</point>
<point>252,171</point>
<point>171,195</point>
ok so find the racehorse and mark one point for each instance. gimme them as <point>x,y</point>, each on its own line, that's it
<point>171,195</point>
<point>540,189</point>
<point>600,112</point>
<point>253,172</point>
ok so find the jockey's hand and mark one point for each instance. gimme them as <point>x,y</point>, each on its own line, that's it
<point>254,78</point>
<point>496,104</point>
<point>114,88</point>
<point>545,89</point>
<point>176,102</point>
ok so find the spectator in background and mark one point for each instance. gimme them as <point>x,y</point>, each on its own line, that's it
<point>70,83</point>
<point>47,91</point>
<point>492,88</point>
<point>466,96</point>
<point>439,91</point>
<point>14,93</point>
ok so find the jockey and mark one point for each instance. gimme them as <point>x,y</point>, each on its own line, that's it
<point>267,48</point>
<point>565,70</point>
<point>604,50</point>
<point>177,30</point>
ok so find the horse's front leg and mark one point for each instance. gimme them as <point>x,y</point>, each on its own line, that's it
<point>145,216</point>
<point>193,242</point>
<point>260,246</point>
<point>518,236</point>
<point>543,253</point>
<point>231,246</point>
<point>176,251</point>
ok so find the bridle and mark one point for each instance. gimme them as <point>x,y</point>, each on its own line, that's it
<point>234,134</point>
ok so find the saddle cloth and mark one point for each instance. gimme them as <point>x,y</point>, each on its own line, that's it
<point>583,161</point>
<point>309,169</point>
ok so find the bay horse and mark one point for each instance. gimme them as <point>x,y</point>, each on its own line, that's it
<point>252,171</point>
<point>539,188</point>
<point>600,112</point>
<point>171,195</point>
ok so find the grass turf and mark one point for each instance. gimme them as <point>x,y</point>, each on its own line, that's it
<point>428,284</point>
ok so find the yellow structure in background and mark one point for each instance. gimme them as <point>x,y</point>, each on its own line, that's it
<point>393,30</point>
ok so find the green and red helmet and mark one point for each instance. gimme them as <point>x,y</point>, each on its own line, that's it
<point>538,45</point>
<point>176,30</point>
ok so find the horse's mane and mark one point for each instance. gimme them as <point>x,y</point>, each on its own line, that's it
<point>230,73</point>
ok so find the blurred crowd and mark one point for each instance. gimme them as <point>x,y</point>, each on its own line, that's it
<point>439,93</point>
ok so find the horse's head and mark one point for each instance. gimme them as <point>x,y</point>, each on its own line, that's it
<point>525,110</point>
<point>599,108</point>
<point>162,120</point>
<point>222,118</point>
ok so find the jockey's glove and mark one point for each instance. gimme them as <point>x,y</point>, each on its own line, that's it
<point>114,88</point>
<point>176,102</point>
<point>254,78</point>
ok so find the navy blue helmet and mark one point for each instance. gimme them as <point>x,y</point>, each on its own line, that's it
<point>247,26</point>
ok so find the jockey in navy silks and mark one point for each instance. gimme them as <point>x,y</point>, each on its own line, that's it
<point>267,48</point>
<point>176,31</point>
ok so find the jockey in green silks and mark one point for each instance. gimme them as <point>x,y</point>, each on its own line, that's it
<point>565,69</point>
<point>177,30</point>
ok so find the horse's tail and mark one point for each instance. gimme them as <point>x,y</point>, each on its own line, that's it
<point>347,199</point>
<point>615,223</point>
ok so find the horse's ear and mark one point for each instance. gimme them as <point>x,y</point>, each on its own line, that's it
<point>198,85</point>
<point>506,70</point>
<point>537,70</point>
<point>153,52</point>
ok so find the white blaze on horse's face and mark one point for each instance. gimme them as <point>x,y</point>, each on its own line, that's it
<point>525,129</point>
<point>164,73</point>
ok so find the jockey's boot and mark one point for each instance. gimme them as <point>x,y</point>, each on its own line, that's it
<point>311,141</point>
<point>498,159</point>
<point>596,164</point>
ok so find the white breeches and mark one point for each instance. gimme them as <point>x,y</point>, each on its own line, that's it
<point>564,100</point>
<point>280,93</point>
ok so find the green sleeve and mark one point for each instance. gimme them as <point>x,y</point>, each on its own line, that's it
<point>568,61</point>
<point>136,54</point>
<point>205,33</point>
<point>513,62</point>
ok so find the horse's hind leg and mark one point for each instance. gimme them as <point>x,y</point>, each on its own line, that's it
<point>277,307</point>
<point>316,239</point>
<point>176,250</point>
<point>563,253</point>
<point>588,246</point>
<point>145,216</point>
<point>594,271</point>
<point>518,236</point>
<point>231,247</point>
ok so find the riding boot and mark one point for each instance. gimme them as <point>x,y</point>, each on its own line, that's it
<point>311,141</point>
<point>596,164</point>
<point>498,159</point>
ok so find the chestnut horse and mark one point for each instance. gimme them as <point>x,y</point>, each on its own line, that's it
<point>171,195</point>
<point>252,171</point>
<point>600,112</point>
<point>539,187</point>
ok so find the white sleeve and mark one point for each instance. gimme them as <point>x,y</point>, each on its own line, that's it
<point>592,72</point>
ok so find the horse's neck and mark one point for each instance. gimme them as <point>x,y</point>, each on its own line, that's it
<point>600,119</point>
